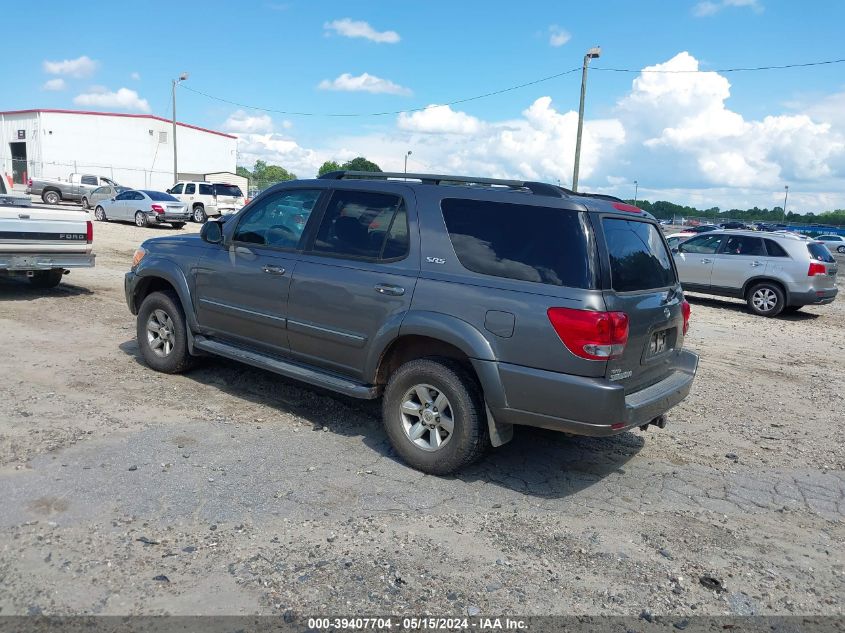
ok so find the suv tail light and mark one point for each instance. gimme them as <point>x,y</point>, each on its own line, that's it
<point>685,310</point>
<point>157,208</point>
<point>89,231</point>
<point>816,269</point>
<point>591,335</point>
<point>29,183</point>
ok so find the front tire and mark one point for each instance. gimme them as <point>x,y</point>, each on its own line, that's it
<point>766,299</point>
<point>199,214</point>
<point>162,333</point>
<point>433,413</point>
<point>177,225</point>
<point>100,214</point>
<point>841,249</point>
<point>46,278</point>
<point>140,219</point>
<point>85,204</point>
<point>51,197</point>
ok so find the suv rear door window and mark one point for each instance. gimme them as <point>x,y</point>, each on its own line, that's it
<point>364,225</point>
<point>744,245</point>
<point>524,242</point>
<point>638,257</point>
<point>190,188</point>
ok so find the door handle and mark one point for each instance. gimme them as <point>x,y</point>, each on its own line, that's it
<point>706,261</point>
<point>274,270</point>
<point>387,289</point>
<point>756,263</point>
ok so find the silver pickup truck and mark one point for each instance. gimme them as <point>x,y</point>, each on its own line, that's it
<point>43,244</point>
<point>74,189</point>
<point>9,196</point>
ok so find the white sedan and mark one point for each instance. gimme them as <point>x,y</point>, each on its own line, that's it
<point>833,242</point>
<point>144,208</point>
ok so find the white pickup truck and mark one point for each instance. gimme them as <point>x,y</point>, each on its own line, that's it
<point>43,244</point>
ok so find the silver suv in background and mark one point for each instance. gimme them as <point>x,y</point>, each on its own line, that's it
<point>773,272</point>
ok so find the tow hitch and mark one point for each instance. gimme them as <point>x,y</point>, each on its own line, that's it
<point>660,422</point>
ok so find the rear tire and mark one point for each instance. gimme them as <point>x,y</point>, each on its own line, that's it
<point>177,225</point>
<point>100,214</point>
<point>841,249</point>
<point>46,278</point>
<point>441,383</point>
<point>199,214</point>
<point>765,299</point>
<point>162,333</point>
<point>85,204</point>
<point>51,197</point>
<point>140,219</point>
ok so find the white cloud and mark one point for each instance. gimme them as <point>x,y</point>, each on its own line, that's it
<point>707,8</point>
<point>439,119</point>
<point>123,99</point>
<point>358,28</point>
<point>135,76</point>
<point>240,122</point>
<point>558,36</point>
<point>80,67</point>
<point>54,84</point>
<point>364,82</point>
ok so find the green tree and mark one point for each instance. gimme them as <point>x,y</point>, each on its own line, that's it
<point>360,164</point>
<point>265,174</point>
<point>243,171</point>
<point>328,166</point>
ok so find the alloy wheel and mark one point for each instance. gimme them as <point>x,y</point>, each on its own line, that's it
<point>427,417</point>
<point>764,299</point>
<point>161,336</point>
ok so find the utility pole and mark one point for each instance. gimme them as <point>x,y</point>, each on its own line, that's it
<point>182,77</point>
<point>593,53</point>
<point>785,196</point>
<point>636,187</point>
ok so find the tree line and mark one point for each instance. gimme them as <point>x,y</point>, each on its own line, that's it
<point>263,175</point>
<point>666,210</point>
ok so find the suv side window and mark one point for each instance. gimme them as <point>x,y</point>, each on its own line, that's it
<point>774,249</point>
<point>177,189</point>
<point>190,188</point>
<point>364,225</point>
<point>278,220</point>
<point>704,244</point>
<point>523,242</point>
<point>89,180</point>
<point>206,190</point>
<point>744,245</point>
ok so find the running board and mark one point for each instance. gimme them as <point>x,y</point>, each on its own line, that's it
<point>288,369</point>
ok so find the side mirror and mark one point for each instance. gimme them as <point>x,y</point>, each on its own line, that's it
<point>111,200</point>
<point>677,249</point>
<point>212,232</point>
<point>167,191</point>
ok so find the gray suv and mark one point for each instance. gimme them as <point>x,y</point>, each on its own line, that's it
<point>773,272</point>
<point>469,305</point>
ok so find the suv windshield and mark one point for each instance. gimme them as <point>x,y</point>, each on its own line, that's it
<point>820,253</point>
<point>228,190</point>
<point>160,196</point>
<point>529,243</point>
<point>638,257</point>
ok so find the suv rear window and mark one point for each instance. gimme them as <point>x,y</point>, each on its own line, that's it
<point>820,253</point>
<point>228,190</point>
<point>515,241</point>
<point>638,257</point>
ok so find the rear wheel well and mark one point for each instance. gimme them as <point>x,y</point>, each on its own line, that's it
<point>760,280</point>
<point>198,205</point>
<point>407,348</point>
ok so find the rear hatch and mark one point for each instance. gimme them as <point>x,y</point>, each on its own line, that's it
<point>640,281</point>
<point>823,267</point>
<point>228,196</point>
<point>27,230</point>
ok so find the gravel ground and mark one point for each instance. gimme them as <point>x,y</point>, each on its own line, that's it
<point>232,491</point>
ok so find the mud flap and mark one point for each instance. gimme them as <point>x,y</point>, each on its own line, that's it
<point>500,433</point>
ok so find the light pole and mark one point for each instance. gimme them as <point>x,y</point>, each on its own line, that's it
<point>785,196</point>
<point>409,152</point>
<point>593,53</point>
<point>182,77</point>
<point>636,187</point>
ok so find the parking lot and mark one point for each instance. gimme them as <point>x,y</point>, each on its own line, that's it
<point>127,491</point>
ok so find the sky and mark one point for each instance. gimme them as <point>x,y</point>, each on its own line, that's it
<point>710,138</point>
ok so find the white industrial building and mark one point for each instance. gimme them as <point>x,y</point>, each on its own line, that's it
<point>136,150</point>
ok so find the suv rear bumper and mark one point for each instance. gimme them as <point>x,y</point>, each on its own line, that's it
<point>579,405</point>
<point>812,297</point>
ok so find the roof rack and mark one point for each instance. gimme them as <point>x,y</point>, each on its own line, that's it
<point>537,188</point>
